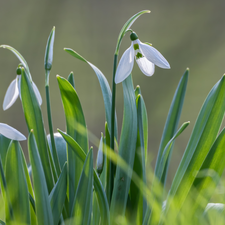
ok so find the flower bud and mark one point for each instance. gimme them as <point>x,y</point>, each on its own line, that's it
<point>100,157</point>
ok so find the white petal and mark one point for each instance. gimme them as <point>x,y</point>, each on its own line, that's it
<point>37,93</point>
<point>146,66</point>
<point>11,132</point>
<point>11,95</point>
<point>153,55</point>
<point>125,65</point>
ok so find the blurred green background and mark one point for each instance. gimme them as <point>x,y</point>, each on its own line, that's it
<point>188,33</point>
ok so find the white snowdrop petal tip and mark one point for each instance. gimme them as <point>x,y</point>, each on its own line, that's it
<point>11,132</point>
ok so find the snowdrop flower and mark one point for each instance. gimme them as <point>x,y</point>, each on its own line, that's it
<point>146,57</point>
<point>13,91</point>
<point>11,132</point>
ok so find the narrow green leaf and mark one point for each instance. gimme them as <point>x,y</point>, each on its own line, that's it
<point>210,172</point>
<point>96,211</point>
<point>2,223</point>
<point>58,195</point>
<point>82,206</point>
<point>4,189</point>
<point>43,208</point>
<point>108,165</point>
<point>142,121</point>
<point>71,79</point>
<point>127,148</point>
<point>17,185</point>
<point>106,92</point>
<point>99,190</point>
<point>137,201</point>
<point>203,136</point>
<point>34,121</point>
<point>172,121</point>
<point>76,128</point>
<point>167,150</point>
<point>156,186</point>
<point>30,190</point>
<point>101,170</point>
<point>4,143</point>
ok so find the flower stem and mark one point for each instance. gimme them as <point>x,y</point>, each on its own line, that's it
<point>54,152</point>
<point>112,166</point>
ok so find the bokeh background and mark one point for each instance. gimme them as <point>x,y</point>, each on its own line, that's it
<point>188,33</point>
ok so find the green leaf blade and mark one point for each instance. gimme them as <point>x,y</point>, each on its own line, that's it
<point>82,206</point>
<point>17,185</point>
<point>43,208</point>
<point>127,148</point>
<point>172,120</point>
<point>76,128</point>
<point>211,171</point>
<point>203,136</point>
<point>34,121</point>
<point>99,190</point>
<point>58,195</point>
<point>106,92</point>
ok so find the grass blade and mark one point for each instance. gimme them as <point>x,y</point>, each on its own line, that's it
<point>82,206</point>
<point>138,202</point>
<point>4,189</point>
<point>210,173</point>
<point>126,151</point>
<point>34,121</point>
<point>106,92</point>
<point>71,79</point>
<point>76,128</point>
<point>58,195</point>
<point>99,190</point>
<point>17,185</point>
<point>4,143</point>
<point>172,121</point>
<point>166,152</point>
<point>43,208</point>
<point>203,136</point>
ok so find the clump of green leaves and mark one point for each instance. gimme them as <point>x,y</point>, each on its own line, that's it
<point>61,186</point>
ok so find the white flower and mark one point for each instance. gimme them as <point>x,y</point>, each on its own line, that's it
<point>11,132</point>
<point>13,92</point>
<point>146,57</point>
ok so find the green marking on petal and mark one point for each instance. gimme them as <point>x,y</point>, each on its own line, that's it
<point>136,46</point>
<point>139,55</point>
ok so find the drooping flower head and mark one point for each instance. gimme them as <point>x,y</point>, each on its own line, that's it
<point>146,57</point>
<point>13,90</point>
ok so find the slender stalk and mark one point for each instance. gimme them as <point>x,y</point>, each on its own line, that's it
<point>54,152</point>
<point>112,166</point>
